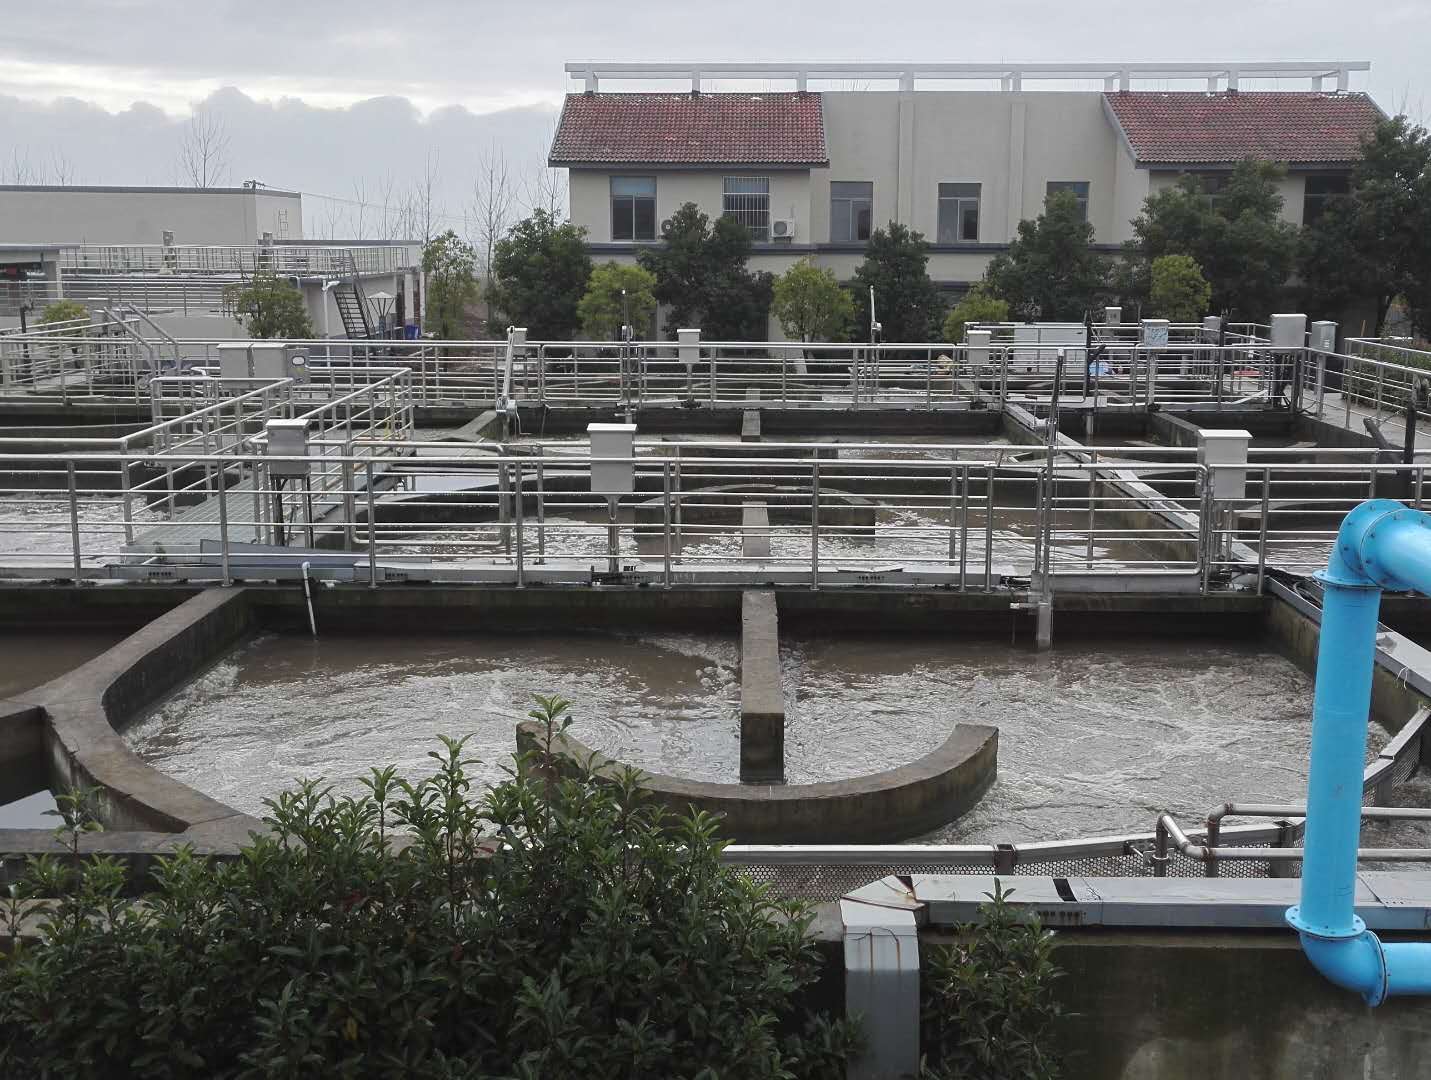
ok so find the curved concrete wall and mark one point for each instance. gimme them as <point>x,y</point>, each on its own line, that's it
<point>880,807</point>
<point>85,709</point>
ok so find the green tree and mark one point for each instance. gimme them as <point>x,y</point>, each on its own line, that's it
<point>1375,243</point>
<point>976,306</point>
<point>989,1005</point>
<point>810,303</point>
<point>1051,271</point>
<point>64,311</point>
<point>540,270</point>
<point>449,266</point>
<point>604,307</point>
<point>547,928</point>
<point>701,276</point>
<point>270,307</point>
<point>907,303</point>
<point>1179,292</point>
<point>1244,248</point>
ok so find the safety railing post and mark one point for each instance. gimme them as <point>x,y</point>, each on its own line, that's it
<point>74,519</point>
<point>1262,527</point>
<point>224,528</point>
<point>372,525</point>
<point>815,524</point>
<point>518,517</point>
<point>666,523</point>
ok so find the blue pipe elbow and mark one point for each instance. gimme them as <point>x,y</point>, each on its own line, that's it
<point>1354,963</point>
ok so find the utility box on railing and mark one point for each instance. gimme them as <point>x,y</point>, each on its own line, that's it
<point>1155,333</point>
<point>689,347</point>
<point>1112,316</point>
<point>1323,336</point>
<point>517,338</point>
<point>235,361</point>
<point>1211,327</point>
<point>612,441</point>
<point>267,360</point>
<point>978,350</point>
<point>1225,448</point>
<point>1289,331</point>
<point>287,438</point>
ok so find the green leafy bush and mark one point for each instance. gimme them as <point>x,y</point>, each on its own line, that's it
<point>976,306</point>
<point>547,928</point>
<point>989,1007</point>
<point>62,311</point>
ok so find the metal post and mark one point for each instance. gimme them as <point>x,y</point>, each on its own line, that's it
<point>74,518</point>
<point>517,489</point>
<point>541,509</point>
<point>989,529</point>
<point>815,524</point>
<point>372,525</point>
<point>224,528</point>
<point>963,526</point>
<point>666,522</point>
<point>349,508</point>
<point>1262,532</point>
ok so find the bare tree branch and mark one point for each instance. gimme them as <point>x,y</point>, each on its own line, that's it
<point>204,150</point>
<point>493,196</point>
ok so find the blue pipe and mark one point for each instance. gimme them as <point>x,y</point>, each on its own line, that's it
<point>1381,545</point>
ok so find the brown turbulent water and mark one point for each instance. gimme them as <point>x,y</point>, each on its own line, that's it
<point>1095,737</point>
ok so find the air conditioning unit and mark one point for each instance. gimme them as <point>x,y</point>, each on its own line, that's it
<point>782,229</point>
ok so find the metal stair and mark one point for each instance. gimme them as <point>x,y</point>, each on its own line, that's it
<point>353,304</point>
<point>352,310</point>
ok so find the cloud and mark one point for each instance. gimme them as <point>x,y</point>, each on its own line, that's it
<point>355,152</point>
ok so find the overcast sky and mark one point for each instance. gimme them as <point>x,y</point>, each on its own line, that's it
<point>346,98</point>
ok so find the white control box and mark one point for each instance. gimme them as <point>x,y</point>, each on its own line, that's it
<point>1323,336</point>
<point>612,441</point>
<point>235,361</point>
<point>287,438</point>
<point>1289,331</point>
<point>1112,316</point>
<point>978,351</point>
<point>267,360</point>
<point>1155,333</point>
<point>1225,448</point>
<point>689,347</point>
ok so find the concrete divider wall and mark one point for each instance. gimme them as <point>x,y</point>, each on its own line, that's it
<point>87,708</point>
<point>878,808</point>
<point>762,698</point>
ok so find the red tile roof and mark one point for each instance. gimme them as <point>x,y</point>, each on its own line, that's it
<point>1194,128</point>
<point>691,129</point>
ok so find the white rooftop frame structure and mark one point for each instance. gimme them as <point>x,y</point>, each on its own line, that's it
<point>1220,74</point>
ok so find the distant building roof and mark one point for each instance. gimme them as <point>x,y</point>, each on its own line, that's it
<point>1189,128</point>
<point>783,129</point>
<point>124,189</point>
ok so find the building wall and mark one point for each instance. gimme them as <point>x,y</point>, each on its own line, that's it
<point>1131,185</point>
<point>50,215</point>
<point>1292,188</point>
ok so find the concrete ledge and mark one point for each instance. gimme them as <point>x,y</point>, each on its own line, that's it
<point>878,808</point>
<point>762,699</point>
<point>86,708</point>
<point>755,530</point>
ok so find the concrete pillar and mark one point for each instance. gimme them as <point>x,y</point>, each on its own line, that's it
<point>755,530</point>
<point>1018,116</point>
<point>750,425</point>
<point>762,701</point>
<point>904,179</point>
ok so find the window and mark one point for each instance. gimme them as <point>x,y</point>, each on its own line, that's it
<point>1214,186</point>
<point>958,213</point>
<point>747,199</point>
<point>1321,192</point>
<point>851,210</point>
<point>633,208</point>
<point>1079,188</point>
